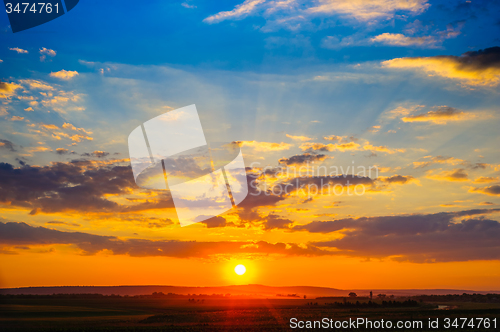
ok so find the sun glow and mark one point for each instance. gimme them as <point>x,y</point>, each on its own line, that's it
<point>240,269</point>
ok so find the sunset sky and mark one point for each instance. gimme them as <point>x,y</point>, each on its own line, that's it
<point>409,87</point>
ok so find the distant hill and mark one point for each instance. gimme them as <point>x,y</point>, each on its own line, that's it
<point>257,291</point>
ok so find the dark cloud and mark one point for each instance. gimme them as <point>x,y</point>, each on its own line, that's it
<point>62,151</point>
<point>214,222</point>
<point>74,186</point>
<point>22,234</point>
<point>96,154</point>
<point>273,221</point>
<point>491,190</point>
<point>302,159</point>
<point>401,179</point>
<point>6,144</point>
<point>418,238</point>
<point>482,59</point>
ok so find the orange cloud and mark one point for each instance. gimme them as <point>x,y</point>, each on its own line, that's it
<point>485,179</point>
<point>472,69</point>
<point>458,174</point>
<point>491,190</point>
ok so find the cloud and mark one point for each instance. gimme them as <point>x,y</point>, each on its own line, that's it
<point>64,74</point>
<point>441,115</point>
<point>62,223</point>
<point>215,222</point>
<point>491,190</point>
<point>370,10</point>
<point>47,51</point>
<point>294,14</point>
<point>302,159</point>
<point>384,149</point>
<point>44,52</point>
<point>68,187</point>
<point>65,132</point>
<point>299,138</point>
<point>398,39</point>
<point>16,118</point>
<point>96,154</point>
<point>265,146</point>
<point>330,147</point>
<point>186,5</point>
<point>6,144</point>
<point>348,146</point>
<point>486,179</point>
<point>18,50</point>
<point>458,174</point>
<point>37,85</point>
<point>240,11</point>
<point>429,160</point>
<point>8,89</point>
<point>471,69</point>
<point>439,237</point>
<point>29,109</point>
<point>273,221</point>
<point>399,179</point>
<point>22,234</point>
<point>339,139</point>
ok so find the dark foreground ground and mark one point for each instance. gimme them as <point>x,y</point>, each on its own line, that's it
<point>224,314</point>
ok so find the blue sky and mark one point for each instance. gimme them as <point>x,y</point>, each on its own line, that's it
<point>166,32</point>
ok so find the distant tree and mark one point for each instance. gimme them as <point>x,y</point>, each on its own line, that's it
<point>381,296</point>
<point>305,297</point>
<point>352,294</point>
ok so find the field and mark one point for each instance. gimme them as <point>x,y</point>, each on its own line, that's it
<point>224,314</point>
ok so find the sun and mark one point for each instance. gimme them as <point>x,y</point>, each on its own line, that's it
<point>240,269</point>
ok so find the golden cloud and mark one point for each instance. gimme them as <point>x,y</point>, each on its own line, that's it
<point>384,149</point>
<point>8,89</point>
<point>458,174</point>
<point>486,179</point>
<point>491,190</point>
<point>472,69</point>
<point>64,74</point>
<point>265,146</point>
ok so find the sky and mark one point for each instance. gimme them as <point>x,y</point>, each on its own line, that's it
<point>407,88</point>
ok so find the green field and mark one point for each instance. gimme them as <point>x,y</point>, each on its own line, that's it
<point>163,314</point>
